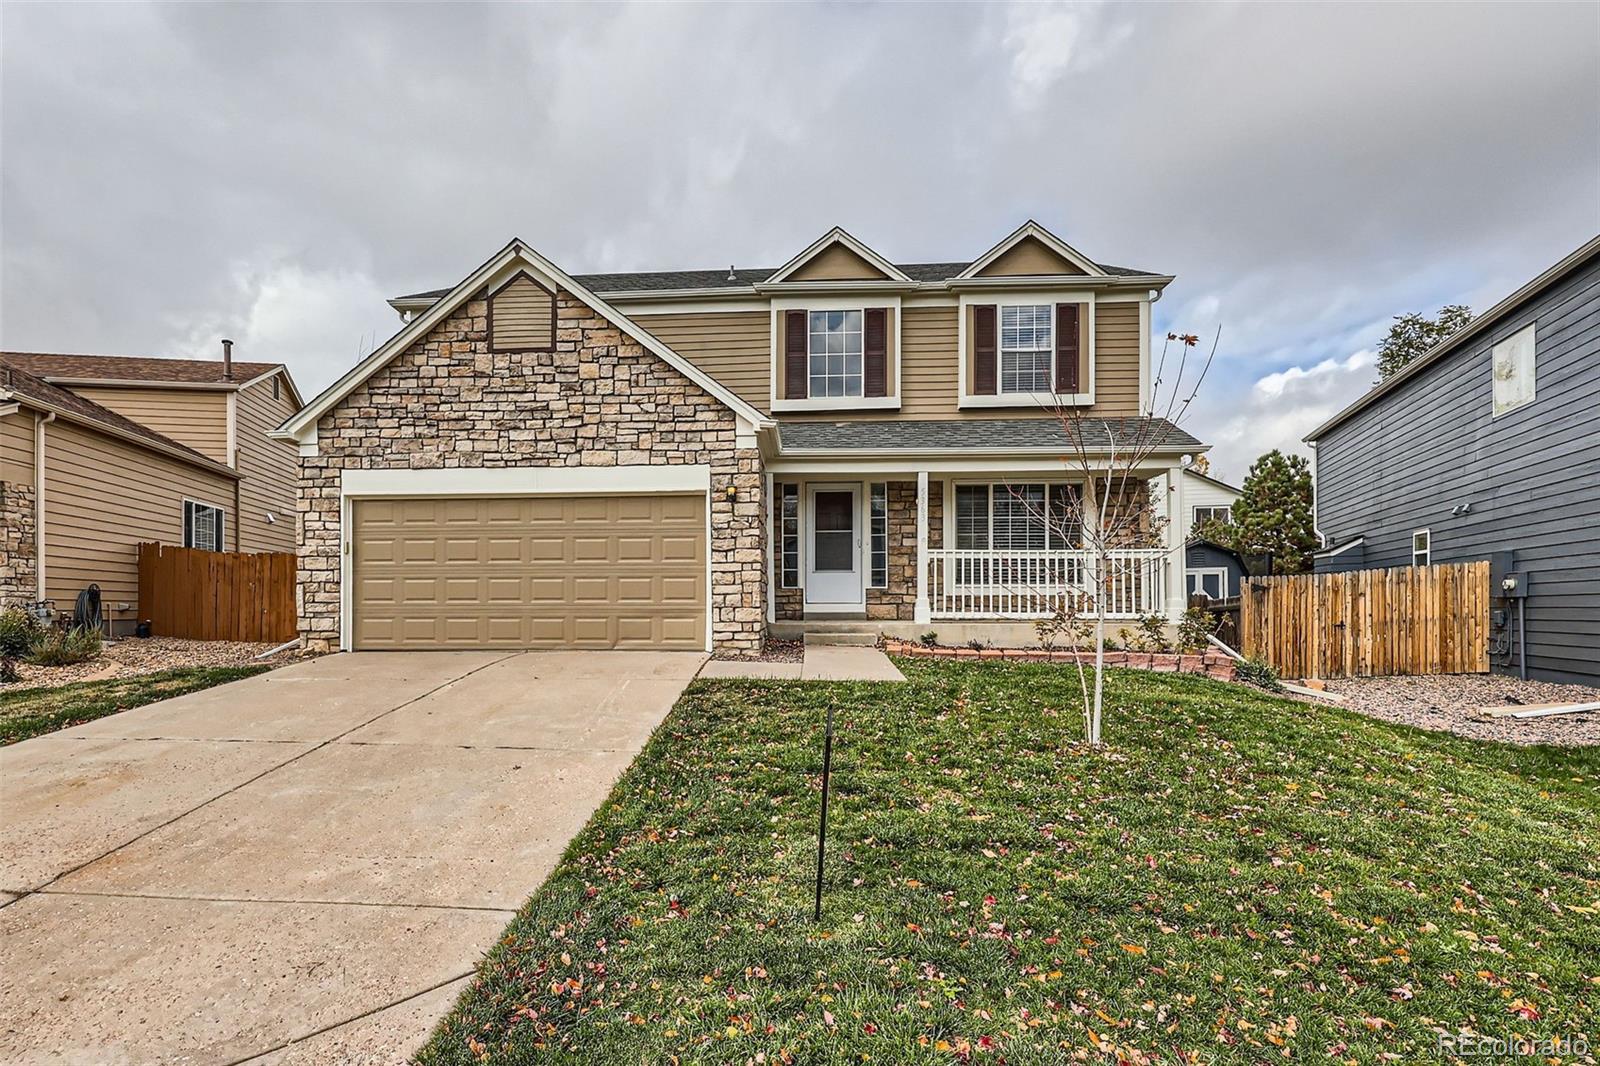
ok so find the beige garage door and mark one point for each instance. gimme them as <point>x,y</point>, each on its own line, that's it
<point>530,572</point>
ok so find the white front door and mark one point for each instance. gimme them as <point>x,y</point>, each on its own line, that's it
<point>833,547</point>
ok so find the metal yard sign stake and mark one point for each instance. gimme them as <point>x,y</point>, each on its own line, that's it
<point>822,827</point>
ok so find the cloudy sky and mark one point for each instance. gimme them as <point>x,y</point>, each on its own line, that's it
<point>173,174</point>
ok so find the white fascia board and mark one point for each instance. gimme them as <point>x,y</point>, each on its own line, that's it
<point>1032,229</point>
<point>513,256</point>
<point>1058,466</point>
<point>1329,553</point>
<point>838,234</point>
<point>526,481</point>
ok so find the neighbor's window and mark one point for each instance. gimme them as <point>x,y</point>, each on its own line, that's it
<point>202,526</point>
<point>1210,583</point>
<point>1421,547</point>
<point>1206,514</point>
<point>1026,351</point>
<point>835,353</point>
<point>789,532</point>
<point>1513,371</point>
<point>879,494</point>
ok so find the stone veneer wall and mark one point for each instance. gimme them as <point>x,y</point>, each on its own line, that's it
<point>600,399</point>
<point>19,563</point>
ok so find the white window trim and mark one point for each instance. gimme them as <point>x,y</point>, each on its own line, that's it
<point>872,584</point>
<point>1021,479</point>
<point>1202,571</point>
<point>1194,512</point>
<point>1427,552</point>
<point>222,523</point>
<point>1022,399</point>
<point>509,481</point>
<point>781,304</point>
<point>799,535</point>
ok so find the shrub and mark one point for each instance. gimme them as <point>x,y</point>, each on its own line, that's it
<point>1151,635</point>
<point>930,639</point>
<point>1258,673</point>
<point>18,634</point>
<point>977,645</point>
<point>1196,625</point>
<point>63,647</point>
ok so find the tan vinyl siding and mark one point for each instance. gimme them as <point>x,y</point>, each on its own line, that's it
<point>16,448</point>
<point>196,417</point>
<point>836,263</point>
<point>523,317</point>
<point>735,347</point>
<point>1029,256</point>
<point>102,497</point>
<point>1116,390</point>
<point>270,468</point>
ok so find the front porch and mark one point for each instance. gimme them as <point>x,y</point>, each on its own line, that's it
<point>956,541</point>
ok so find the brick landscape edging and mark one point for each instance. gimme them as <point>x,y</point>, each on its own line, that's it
<point>1212,664</point>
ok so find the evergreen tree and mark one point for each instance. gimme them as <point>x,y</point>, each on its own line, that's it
<point>1272,515</point>
<point>1412,335</point>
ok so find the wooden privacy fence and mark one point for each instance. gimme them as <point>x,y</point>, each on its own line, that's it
<point>206,595</point>
<point>1368,623</point>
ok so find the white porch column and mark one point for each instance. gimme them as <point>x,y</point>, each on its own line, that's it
<point>922,614</point>
<point>1176,540</point>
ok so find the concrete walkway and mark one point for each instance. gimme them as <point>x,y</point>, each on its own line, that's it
<point>823,662</point>
<point>303,866</point>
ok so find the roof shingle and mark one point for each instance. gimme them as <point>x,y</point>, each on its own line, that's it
<point>675,280</point>
<point>964,434</point>
<point>133,368</point>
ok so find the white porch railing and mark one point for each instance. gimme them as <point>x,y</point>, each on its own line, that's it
<point>1032,584</point>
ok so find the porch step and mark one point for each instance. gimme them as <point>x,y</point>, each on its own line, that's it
<point>846,637</point>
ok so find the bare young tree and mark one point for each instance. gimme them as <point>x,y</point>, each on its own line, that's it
<point>1114,511</point>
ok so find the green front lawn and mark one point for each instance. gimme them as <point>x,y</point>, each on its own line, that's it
<point>1239,878</point>
<point>28,712</point>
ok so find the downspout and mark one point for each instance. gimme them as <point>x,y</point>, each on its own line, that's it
<point>1322,541</point>
<point>1146,401</point>
<point>39,422</point>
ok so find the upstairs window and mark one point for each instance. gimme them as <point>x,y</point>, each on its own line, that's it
<point>834,364</point>
<point>1027,354</point>
<point>202,526</point>
<point>1206,514</point>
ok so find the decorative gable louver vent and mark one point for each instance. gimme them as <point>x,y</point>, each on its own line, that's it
<point>522,317</point>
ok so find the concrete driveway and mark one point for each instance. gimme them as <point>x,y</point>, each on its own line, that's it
<point>303,866</point>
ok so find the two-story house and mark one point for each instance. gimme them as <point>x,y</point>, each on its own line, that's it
<point>100,452</point>
<point>1487,447</point>
<point>688,459</point>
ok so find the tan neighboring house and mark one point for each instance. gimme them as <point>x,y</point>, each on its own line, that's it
<point>694,459</point>
<point>98,453</point>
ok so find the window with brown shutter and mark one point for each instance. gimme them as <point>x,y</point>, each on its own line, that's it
<point>794,355</point>
<point>983,350</point>
<point>875,352</point>
<point>1066,348</point>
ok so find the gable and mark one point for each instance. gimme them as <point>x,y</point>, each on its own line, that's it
<point>515,258</point>
<point>1028,257</point>
<point>522,317</point>
<point>836,263</point>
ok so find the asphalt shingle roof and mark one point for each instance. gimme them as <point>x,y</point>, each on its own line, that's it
<point>669,280</point>
<point>957,435</point>
<point>133,368</point>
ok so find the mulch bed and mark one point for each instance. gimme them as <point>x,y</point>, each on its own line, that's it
<point>1211,663</point>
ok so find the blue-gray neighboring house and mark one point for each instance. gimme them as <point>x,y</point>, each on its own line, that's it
<point>1487,447</point>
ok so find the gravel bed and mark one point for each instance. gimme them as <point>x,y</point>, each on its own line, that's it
<point>1454,703</point>
<point>776,651</point>
<point>130,656</point>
